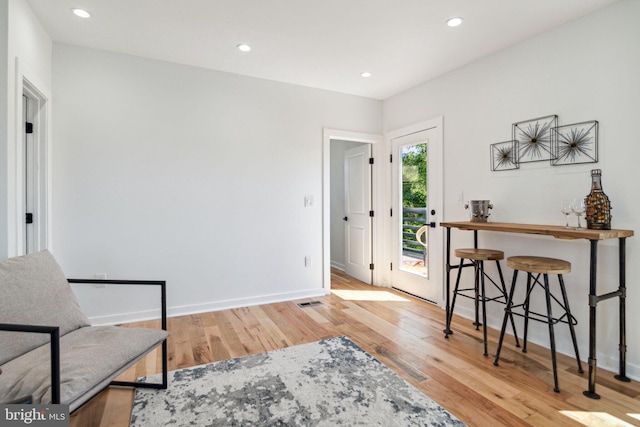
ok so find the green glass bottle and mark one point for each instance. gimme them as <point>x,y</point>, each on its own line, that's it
<point>598,210</point>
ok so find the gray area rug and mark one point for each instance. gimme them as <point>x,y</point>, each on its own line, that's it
<point>326,383</point>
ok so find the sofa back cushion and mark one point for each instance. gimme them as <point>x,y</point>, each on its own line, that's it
<point>35,291</point>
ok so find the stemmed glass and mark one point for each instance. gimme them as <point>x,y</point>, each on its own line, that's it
<point>565,208</point>
<point>578,207</point>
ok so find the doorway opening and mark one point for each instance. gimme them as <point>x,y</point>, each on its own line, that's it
<point>349,204</point>
<point>351,223</point>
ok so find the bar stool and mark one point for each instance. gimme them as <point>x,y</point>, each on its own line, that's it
<point>477,258</point>
<point>540,266</point>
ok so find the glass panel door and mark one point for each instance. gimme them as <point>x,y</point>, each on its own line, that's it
<point>413,165</point>
<point>416,187</point>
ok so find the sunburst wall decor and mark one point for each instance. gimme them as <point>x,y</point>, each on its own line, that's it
<point>576,143</point>
<point>504,156</point>
<point>535,139</point>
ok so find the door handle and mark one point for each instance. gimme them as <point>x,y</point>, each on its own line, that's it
<point>432,224</point>
<point>345,218</point>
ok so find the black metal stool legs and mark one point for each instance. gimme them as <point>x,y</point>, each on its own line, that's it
<point>453,301</point>
<point>475,258</point>
<point>526,310</point>
<point>476,280</point>
<point>532,282</point>
<point>552,337</point>
<point>484,306</point>
<point>507,313</point>
<point>504,292</point>
<point>571,321</point>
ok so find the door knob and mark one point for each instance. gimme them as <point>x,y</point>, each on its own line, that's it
<point>345,218</point>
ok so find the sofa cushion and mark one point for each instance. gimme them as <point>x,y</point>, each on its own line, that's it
<point>35,291</point>
<point>89,360</point>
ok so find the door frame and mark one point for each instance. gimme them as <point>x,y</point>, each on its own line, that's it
<point>436,123</point>
<point>27,83</point>
<point>377,148</point>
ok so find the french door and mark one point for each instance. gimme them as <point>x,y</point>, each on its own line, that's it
<point>417,201</point>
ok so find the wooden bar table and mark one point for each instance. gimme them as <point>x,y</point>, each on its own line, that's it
<point>559,232</point>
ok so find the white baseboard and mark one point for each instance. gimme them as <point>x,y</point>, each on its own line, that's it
<point>141,316</point>
<point>337,265</point>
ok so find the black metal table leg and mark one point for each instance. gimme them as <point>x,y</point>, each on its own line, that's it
<point>593,303</point>
<point>622,288</point>
<point>447,330</point>
<point>594,299</point>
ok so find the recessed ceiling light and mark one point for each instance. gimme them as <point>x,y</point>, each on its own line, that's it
<point>81,13</point>
<point>454,22</point>
<point>244,47</point>
<point>365,74</point>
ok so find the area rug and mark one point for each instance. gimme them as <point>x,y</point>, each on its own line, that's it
<point>326,383</point>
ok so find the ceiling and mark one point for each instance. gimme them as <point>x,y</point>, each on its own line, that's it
<point>323,44</point>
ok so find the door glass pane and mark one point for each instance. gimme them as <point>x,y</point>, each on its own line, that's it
<point>414,256</point>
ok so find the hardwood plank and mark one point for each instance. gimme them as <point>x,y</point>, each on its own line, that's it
<point>405,334</point>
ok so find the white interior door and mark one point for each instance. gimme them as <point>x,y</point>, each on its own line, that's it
<point>417,194</point>
<point>357,173</point>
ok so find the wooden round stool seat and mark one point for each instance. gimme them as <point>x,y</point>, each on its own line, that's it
<point>537,264</point>
<point>479,254</point>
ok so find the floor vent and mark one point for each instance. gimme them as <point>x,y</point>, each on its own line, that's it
<point>309,304</point>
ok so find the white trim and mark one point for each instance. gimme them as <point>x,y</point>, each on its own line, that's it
<point>340,266</point>
<point>27,81</point>
<point>184,310</point>
<point>377,147</point>
<point>434,123</point>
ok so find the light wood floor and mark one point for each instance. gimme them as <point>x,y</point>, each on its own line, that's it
<point>406,335</point>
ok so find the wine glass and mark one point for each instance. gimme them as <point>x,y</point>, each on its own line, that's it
<point>565,208</point>
<point>578,207</point>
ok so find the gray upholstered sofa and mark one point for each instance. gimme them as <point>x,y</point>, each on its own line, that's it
<point>49,350</point>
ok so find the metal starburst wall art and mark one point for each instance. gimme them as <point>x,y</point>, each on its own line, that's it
<point>575,143</point>
<point>535,139</point>
<point>504,156</point>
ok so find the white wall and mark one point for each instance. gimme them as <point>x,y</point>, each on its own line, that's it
<point>25,53</point>
<point>4,131</point>
<point>193,176</point>
<point>585,70</point>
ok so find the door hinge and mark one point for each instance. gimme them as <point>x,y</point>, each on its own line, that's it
<point>28,127</point>
<point>370,266</point>
<point>370,160</point>
<point>29,218</point>
<point>390,158</point>
<point>391,266</point>
<point>391,212</point>
<point>371,214</point>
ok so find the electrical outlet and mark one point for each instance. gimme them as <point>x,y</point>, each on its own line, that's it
<point>460,199</point>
